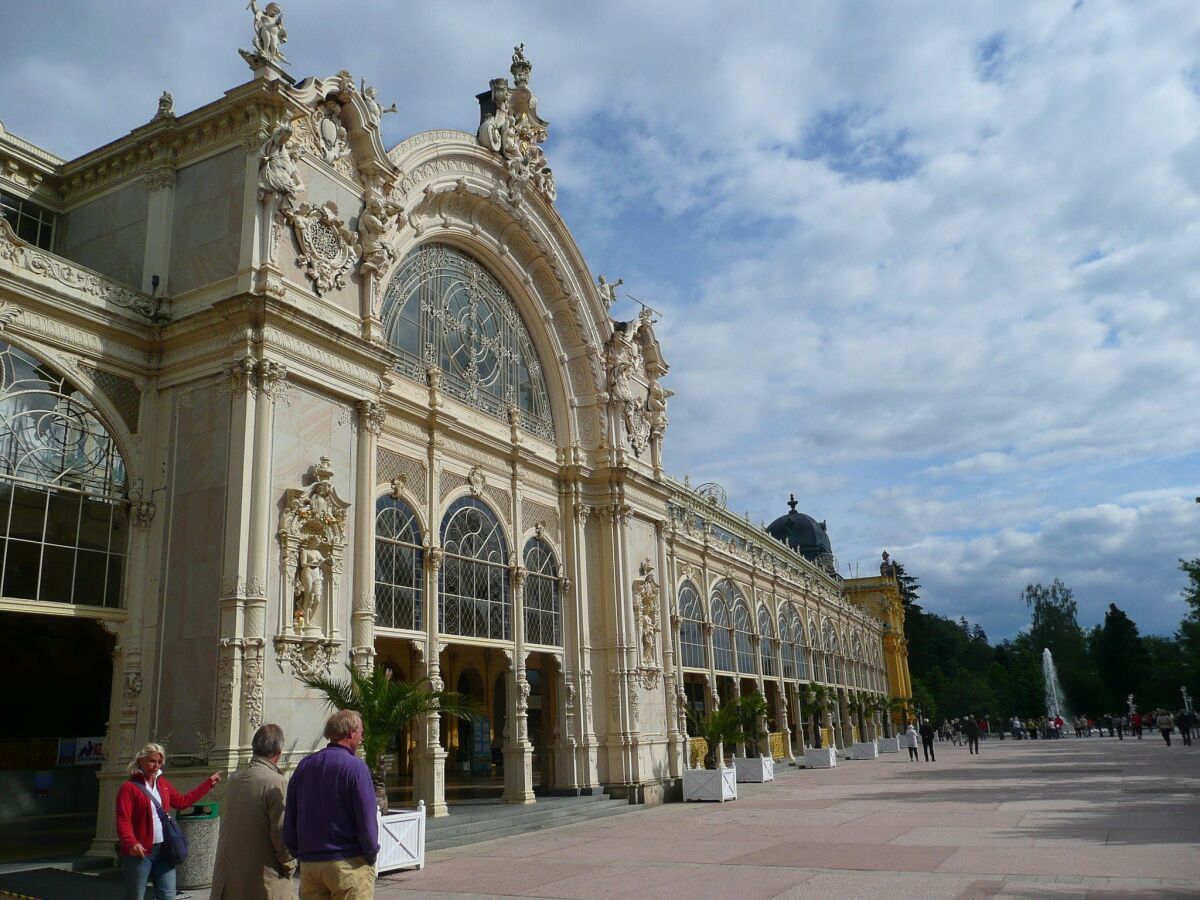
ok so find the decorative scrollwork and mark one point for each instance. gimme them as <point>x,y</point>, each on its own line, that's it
<point>328,249</point>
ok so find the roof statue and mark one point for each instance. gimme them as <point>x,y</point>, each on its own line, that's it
<point>269,33</point>
<point>509,124</point>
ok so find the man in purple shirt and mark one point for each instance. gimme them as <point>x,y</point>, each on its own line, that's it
<point>330,821</point>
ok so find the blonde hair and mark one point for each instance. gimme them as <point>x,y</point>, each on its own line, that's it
<point>149,750</point>
<point>342,724</point>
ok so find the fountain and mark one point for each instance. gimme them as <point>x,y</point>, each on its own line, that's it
<point>1054,692</point>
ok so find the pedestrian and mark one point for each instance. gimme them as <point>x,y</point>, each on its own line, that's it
<point>971,729</point>
<point>1119,723</point>
<point>1186,720</point>
<point>927,740</point>
<point>1135,722</point>
<point>1016,728</point>
<point>140,828</point>
<point>1164,722</point>
<point>253,863</point>
<point>330,820</point>
<point>910,741</point>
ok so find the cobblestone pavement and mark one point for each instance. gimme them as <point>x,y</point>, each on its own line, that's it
<point>1092,817</point>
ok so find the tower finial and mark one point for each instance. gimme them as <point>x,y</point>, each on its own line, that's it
<point>792,502</point>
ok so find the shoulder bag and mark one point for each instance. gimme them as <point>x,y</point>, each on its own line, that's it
<point>174,844</point>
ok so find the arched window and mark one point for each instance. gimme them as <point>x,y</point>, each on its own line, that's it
<point>398,566</point>
<point>766,645</point>
<point>62,490</point>
<point>857,651</point>
<point>722,632</point>
<point>814,646</point>
<point>473,598</point>
<point>442,308</point>
<point>829,645</point>
<point>691,628</point>
<point>787,649</point>
<point>543,610</point>
<point>800,643</point>
<point>742,631</point>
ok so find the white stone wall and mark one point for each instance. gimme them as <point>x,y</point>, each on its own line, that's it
<point>207,221</point>
<point>109,233</point>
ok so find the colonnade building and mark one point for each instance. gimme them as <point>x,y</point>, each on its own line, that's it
<point>277,399</point>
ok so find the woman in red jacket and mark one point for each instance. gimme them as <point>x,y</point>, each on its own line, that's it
<point>139,828</point>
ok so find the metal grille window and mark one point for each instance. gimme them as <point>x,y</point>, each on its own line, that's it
<point>766,646</point>
<point>722,636</point>
<point>787,649</point>
<point>856,650</point>
<point>691,628</point>
<point>473,597</point>
<point>543,610</point>
<point>398,566</point>
<point>63,509</point>
<point>442,308</point>
<point>814,646</point>
<point>799,644</point>
<point>31,222</point>
<point>742,630</point>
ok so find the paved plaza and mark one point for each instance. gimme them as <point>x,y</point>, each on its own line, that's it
<point>1075,818</point>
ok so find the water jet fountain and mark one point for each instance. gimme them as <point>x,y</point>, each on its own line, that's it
<point>1055,705</point>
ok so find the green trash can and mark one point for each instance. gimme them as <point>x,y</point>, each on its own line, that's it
<point>201,825</point>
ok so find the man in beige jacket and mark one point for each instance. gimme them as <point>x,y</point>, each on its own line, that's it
<point>252,861</point>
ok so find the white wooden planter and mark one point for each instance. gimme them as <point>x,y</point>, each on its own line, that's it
<point>824,758</point>
<point>717,785</point>
<point>402,840</point>
<point>759,770</point>
<point>889,745</point>
<point>865,750</point>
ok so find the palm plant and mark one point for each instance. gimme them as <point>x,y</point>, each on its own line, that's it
<point>816,700</point>
<point>721,726</point>
<point>386,706</point>
<point>753,710</point>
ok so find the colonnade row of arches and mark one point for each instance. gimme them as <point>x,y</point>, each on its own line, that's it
<point>725,651</point>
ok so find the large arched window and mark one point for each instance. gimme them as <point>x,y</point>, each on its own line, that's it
<point>814,646</point>
<point>62,490</point>
<point>398,562</point>
<point>473,598</point>
<point>857,652</point>
<point>787,648</point>
<point>829,645</point>
<point>442,308</point>
<point>766,645</point>
<point>722,635</point>
<point>743,629</point>
<point>691,628</point>
<point>800,644</point>
<point>543,609</point>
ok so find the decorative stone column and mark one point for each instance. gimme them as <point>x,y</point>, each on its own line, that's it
<point>371,416</point>
<point>518,751</point>
<point>429,765</point>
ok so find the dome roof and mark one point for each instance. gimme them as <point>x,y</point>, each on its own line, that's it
<point>802,533</point>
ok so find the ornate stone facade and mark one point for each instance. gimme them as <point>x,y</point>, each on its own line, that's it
<point>479,502</point>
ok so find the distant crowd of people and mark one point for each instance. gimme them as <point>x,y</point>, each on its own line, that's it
<point>1108,725</point>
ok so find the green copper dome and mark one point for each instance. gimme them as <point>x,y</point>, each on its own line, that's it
<point>802,533</point>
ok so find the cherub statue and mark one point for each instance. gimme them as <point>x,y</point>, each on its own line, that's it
<point>269,33</point>
<point>374,110</point>
<point>373,224</point>
<point>656,406</point>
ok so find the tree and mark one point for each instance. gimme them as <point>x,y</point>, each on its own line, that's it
<point>1189,628</point>
<point>910,588</point>
<point>1055,626</point>
<point>1120,657</point>
<point>721,726</point>
<point>387,706</point>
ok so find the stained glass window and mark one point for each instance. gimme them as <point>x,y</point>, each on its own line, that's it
<point>443,308</point>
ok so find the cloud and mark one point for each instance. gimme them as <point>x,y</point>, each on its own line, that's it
<point>934,272</point>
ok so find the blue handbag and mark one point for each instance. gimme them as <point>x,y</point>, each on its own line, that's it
<point>174,845</point>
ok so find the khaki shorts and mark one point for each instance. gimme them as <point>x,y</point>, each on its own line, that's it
<point>337,879</point>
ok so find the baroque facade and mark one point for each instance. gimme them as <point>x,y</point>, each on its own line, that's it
<point>278,399</point>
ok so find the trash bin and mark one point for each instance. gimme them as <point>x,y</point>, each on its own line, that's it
<point>200,824</point>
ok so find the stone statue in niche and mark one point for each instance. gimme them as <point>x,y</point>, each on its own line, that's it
<point>646,599</point>
<point>623,355</point>
<point>269,33</point>
<point>309,583</point>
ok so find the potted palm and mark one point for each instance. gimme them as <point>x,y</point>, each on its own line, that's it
<point>387,706</point>
<point>714,781</point>
<point>817,702</point>
<point>889,743</point>
<point>752,712</point>
<point>859,705</point>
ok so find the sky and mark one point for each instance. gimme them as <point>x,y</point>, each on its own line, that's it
<point>934,267</point>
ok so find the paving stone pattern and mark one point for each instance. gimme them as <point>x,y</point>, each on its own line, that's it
<point>1092,817</point>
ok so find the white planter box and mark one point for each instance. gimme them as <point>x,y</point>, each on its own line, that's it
<point>824,758</point>
<point>889,745</point>
<point>864,750</point>
<point>717,785</point>
<point>402,840</point>
<point>757,770</point>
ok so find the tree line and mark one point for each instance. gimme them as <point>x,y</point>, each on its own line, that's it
<point>956,671</point>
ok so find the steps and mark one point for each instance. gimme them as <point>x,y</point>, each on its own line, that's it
<point>471,823</point>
